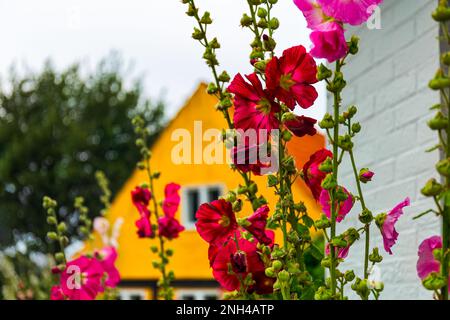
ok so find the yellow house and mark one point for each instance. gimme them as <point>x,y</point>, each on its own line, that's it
<point>199,183</point>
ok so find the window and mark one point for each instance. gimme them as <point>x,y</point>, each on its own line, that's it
<point>197,294</point>
<point>132,294</point>
<point>193,197</point>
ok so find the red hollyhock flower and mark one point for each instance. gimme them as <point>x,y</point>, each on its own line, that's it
<point>244,261</point>
<point>312,175</point>
<point>247,159</point>
<point>301,126</point>
<point>254,107</point>
<point>141,198</point>
<point>257,226</point>
<point>216,221</point>
<point>169,227</point>
<point>145,229</point>
<point>171,200</point>
<point>107,257</point>
<point>291,76</point>
<point>82,279</point>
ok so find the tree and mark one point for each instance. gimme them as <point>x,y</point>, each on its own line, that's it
<point>56,130</point>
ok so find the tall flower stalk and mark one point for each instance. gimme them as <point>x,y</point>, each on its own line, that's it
<point>434,253</point>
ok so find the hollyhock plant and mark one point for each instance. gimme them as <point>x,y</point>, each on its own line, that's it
<point>216,221</point>
<point>329,42</point>
<point>82,279</point>
<point>107,257</point>
<point>243,261</point>
<point>353,12</point>
<point>386,223</point>
<point>254,107</point>
<point>290,77</point>
<point>311,173</point>
<point>427,262</point>
<point>312,12</point>
<point>345,206</point>
<point>256,225</point>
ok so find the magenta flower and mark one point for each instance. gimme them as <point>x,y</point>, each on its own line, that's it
<point>344,206</point>
<point>329,42</point>
<point>386,223</point>
<point>254,107</point>
<point>144,227</point>
<point>257,225</point>
<point>366,175</point>
<point>171,200</point>
<point>56,293</point>
<point>107,257</point>
<point>353,12</point>
<point>301,126</point>
<point>141,198</point>
<point>312,12</point>
<point>82,279</point>
<point>427,263</point>
<point>169,227</point>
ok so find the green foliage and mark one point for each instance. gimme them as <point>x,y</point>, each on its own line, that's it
<point>56,130</point>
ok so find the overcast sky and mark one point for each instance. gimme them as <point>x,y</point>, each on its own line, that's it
<point>153,35</point>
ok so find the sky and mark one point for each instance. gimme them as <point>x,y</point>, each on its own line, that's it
<point>152,36</point>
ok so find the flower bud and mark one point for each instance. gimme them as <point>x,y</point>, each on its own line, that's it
<point>365,175</point>
<point>443,167</point>
<point>375,256</point>
<point>62,227</point>
<point>246,21</point>
<point>274,23</point>
<point>353,45</point>
<point>434,281</point>
<point>323,72</point>
<point>206,18</point>
<point>239,262</point>
<point>198,34</point>
<point>327,122</point>
<point>441,14</point>
<point>277,265</point>
<point>345,142</point>
<point>283,276</point>
<point>439,122</point>
<point>379,219</point>
<point>52,236</point>
<point>432,188</point>
<point>262,13</point>
<point>329,182</point>
<point>224,77</point>
<point>286,135</point>
<point>237,206</point>
<point>154,249</point>
<point>51,220</point>
<point>272,181</point>
<point>270,272</point>
<point>322,223</point>
<point>439,82</point>
<point>59,257</point>
<point>323,294</point>
<point>356,127</point>
<point>366,216</point>
<point>349,276</point>
<point>326,166</point>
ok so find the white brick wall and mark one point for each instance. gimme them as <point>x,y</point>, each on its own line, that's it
<point>388,81</point>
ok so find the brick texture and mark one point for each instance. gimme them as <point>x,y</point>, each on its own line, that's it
<point>387,80</point>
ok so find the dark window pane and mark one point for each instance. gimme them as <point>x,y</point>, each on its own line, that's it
<point>188,297</point>
<point>210,297</point>
<point>193,202</point>
<point>135,297</point>
<point>213,194</point>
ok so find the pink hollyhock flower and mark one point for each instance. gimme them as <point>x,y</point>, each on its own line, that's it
<point>254,106</point>
<point>344,206</point>
<point>56,293</point>
<point>329,42</point>
<point>257,225</point>
<point>107,257</point>
<point>427,263</point>
<point>312,12</point>
<point>342,253</point>
<point>291,76</point>
<point>353,12</point>
<point>216,221</point>
<point>386,223</point>
<point>141,198</point>
<point>312,175</point>
<point>244,261</point>
<point>145,229</point>
<point>301,126</point>
<point>169,227</point>
<point>171,200</point>
<point>82,279</point>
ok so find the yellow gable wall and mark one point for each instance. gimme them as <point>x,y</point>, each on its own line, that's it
<point>190,259</point>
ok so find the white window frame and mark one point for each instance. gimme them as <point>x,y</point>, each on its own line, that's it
<point>198,294</point>
<point>203,198</point>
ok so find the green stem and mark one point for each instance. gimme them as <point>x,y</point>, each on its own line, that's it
<point>336,106</point>
<point>446,224</point>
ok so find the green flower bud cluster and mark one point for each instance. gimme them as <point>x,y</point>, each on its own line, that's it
<point>432,188</point>
<point>59,230</point>
<point>85,223</point>
<point>442,12</point>
<point>439,122</point>
<point>105,198</point>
